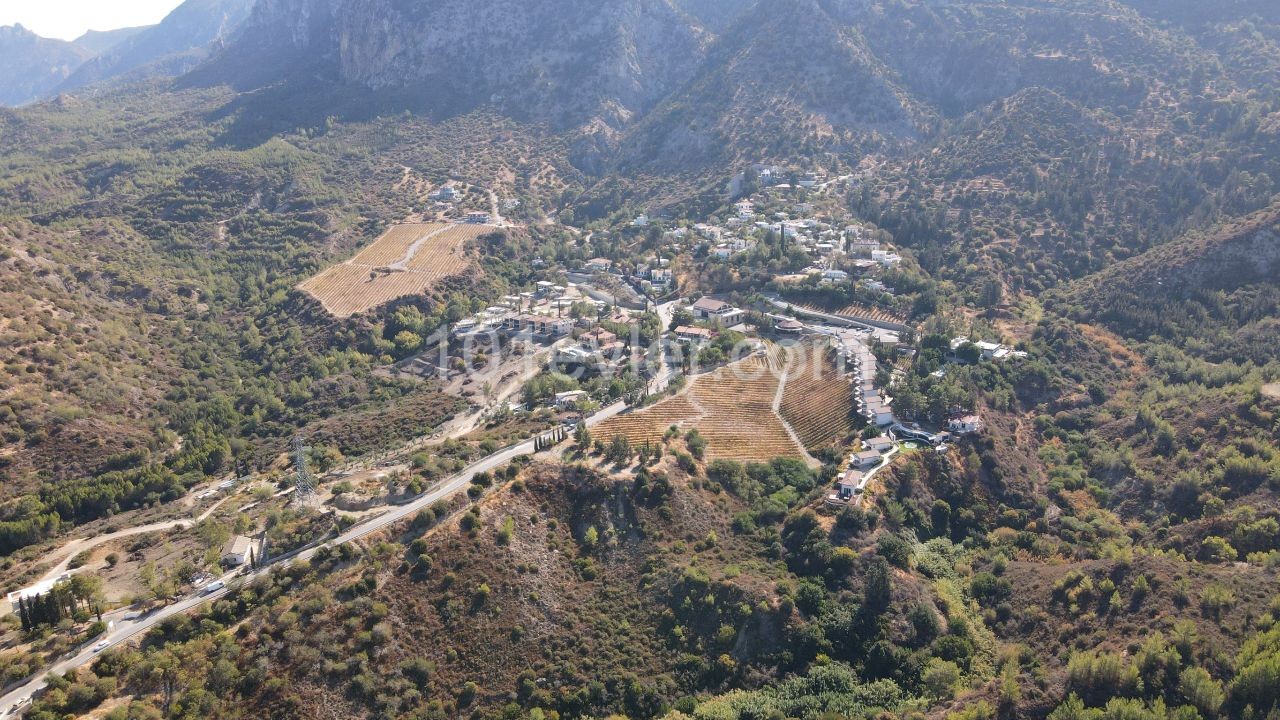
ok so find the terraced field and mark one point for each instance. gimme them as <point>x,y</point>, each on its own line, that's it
<point>394,244</point>
<point>651,423</point>
<point>817,401</point>
<point>405,260</point>
<point>860,312</point>
<point>732,408</point>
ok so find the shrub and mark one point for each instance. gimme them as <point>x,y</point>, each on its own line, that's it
<point>1215,599</point>
<point>940,677</point>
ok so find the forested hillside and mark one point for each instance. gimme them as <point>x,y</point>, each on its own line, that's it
<point>1048,227</point>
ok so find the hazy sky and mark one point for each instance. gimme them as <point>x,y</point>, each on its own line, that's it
<point>69,19</point>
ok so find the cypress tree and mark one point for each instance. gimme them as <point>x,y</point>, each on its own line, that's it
<point>53,608</point>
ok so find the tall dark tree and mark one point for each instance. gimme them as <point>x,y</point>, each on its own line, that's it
<point>877,589</point>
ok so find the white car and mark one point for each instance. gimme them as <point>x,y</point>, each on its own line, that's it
<point>102,645</point>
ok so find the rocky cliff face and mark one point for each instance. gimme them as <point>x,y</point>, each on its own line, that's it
<point>786,78</point>
<point>687,84</point>
<point>563,62</point>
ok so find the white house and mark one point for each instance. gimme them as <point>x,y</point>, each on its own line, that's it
<point>238,551</point>
<point>716,311</point>
<point>880,444</point>
<point>865,459</point>
<point>849,485</point>
<point>570,399</point>
<point>886,258</point>
<point>965,424</point>
<point>448,193</point>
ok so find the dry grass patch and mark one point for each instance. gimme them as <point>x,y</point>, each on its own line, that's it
<point>732,408</point>
<point>405,260</point>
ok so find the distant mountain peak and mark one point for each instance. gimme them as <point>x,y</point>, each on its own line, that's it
<point>178,43</point>
<point>31,66</point>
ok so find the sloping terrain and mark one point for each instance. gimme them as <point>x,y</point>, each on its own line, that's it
<point>567,63</point>
<point>30,65</point>
<point>170,48</point>
<point>406,260</point>
<point>1217,289</point>
<point>750,101</point>
<point>731,408</point>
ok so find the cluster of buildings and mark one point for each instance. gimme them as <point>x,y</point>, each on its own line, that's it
<point>987,350</point>
<point>860,465</point>
<point>651,275</point>
<point>541,314</point>
<point>868,398</point>
<point>596,350</point>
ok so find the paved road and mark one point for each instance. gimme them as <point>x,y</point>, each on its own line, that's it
<point>124,630</point>
<point>862,486</point>
<point>884,335</point>
<point>68,551</point>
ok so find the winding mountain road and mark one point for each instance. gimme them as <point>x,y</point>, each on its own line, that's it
<point>123,629</point>
<point>68,551</point>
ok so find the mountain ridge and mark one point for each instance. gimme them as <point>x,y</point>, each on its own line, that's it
<point>31,65</point>
<point>175,45</point>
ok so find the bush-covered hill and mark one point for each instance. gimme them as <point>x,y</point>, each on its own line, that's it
<point>1214,291</point>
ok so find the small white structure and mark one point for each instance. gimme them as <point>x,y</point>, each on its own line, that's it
<point>237,551</point>
<point>571,399</point>
<point>880,444</point>
<point>865,460</point>
<point>965,424</point>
